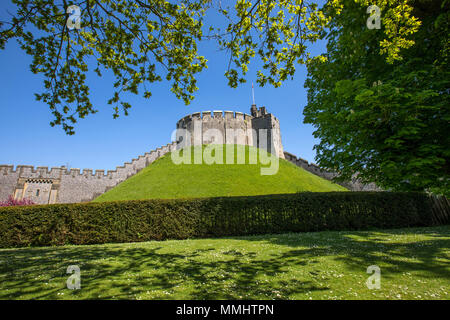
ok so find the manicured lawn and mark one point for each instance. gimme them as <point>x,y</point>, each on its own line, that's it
<point>415,264</point>
<point>165,180</point>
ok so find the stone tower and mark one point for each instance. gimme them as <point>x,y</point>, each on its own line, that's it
<point>231,127</point>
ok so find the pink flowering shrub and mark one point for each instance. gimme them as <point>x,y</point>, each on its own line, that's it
<point>14,202</point>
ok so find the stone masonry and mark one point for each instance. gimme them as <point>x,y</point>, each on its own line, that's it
<point>60,185</point>
<point>354,185</point>
<point>232,128</point>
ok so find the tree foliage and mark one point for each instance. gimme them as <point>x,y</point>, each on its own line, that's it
<point>279,32</point>
<point>145,41</point>
<point>387,121</point>
<point>134,39</point>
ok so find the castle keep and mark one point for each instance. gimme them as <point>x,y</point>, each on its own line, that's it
<point>231,128</point>
<point>60,185</point>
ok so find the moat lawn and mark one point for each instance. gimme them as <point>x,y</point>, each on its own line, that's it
<point>414,263</point>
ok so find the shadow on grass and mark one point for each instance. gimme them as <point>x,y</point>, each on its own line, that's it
<point>120,271</point>
<point>229,279</point>
<point>378,247</point>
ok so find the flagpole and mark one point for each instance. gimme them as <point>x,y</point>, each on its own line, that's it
<point>253,93</point>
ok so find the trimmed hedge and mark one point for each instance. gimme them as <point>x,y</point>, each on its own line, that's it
<point>143,220</point>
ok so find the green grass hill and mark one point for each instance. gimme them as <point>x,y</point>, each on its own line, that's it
<point>164,179</point>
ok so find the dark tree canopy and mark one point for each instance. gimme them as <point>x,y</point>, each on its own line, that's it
<point>389,122</point>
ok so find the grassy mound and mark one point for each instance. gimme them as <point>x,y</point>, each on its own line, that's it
<point>164,179</point>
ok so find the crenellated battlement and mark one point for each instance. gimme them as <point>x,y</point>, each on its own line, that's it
<point>46,172</point>
<point>230,127</point>
<point>354,185</point>
<point>212,115</point>
<point>7,169</point>
<point>312,167</point>
<point>70,185</point>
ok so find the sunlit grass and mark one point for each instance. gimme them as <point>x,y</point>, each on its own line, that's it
<point>415,264</point>
<point>164,179</point>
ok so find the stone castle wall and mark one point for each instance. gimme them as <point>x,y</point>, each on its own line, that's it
<point>354,185</point>
<point>230,128</point>
<point>59,185</point>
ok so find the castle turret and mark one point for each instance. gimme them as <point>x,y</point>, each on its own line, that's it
<point>254,110</point>
<point>262,111</point>
<point>267,121</point>
<point>231,128</point>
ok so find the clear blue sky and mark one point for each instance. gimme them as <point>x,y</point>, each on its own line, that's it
<point>101,142</point>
